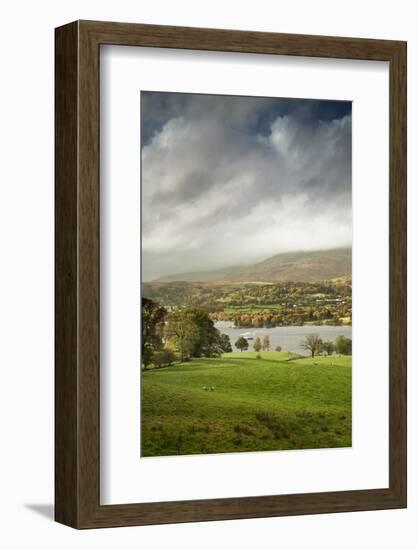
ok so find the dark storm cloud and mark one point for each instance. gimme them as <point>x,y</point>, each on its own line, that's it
<point>252,114</point>
<point>232,180</point>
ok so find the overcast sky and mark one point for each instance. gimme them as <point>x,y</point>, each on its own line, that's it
<point>232,180</point>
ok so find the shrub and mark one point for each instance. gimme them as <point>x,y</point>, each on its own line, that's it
<point>278,348</point>
<point>164,358</point>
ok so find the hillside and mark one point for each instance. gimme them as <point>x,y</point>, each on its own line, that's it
<point>266,404</point>
<point>225,274</point>
<point>311,266</point>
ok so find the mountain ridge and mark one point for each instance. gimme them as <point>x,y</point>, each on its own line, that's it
<point>301,266</point>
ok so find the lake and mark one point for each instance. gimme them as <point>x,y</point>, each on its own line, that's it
<point>289,338</point>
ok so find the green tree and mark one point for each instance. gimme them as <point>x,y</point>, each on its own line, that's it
<point>208,342</point>
<point>265,343</point>
<point>183,332</point>
<point>343,345</point>
<point>278,348</point>
<point>312,343</point>
<point>153,320</point>
<point>328,347</point>
<point>257,346</point>
<point>241,343</point>
<point>226,346</point>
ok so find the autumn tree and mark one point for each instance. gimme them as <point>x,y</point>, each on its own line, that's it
<point>312,343</point>
<point>265,343</point>
<point>257,346</point>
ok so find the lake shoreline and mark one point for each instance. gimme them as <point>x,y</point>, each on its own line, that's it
<point>289,338</point>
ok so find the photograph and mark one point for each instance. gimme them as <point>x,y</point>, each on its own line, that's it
<point>246,274</point>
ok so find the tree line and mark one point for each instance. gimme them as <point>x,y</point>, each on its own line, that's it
<point>311,343</point>
<point>316,346</point>
<point>258,344</point>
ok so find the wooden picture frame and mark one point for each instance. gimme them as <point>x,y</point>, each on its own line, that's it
<point>77,382</point>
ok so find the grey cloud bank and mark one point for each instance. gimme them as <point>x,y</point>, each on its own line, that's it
<point>233,180</point>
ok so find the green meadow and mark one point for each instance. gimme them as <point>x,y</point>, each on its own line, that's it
<point>238,403</point>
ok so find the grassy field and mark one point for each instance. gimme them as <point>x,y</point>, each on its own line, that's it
<point>241,403</point>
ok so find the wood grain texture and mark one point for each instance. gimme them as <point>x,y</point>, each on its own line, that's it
<point>398,272</point>
<point>78,284</point>
<point>66,304</point>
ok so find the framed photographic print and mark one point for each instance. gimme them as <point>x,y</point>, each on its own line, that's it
<point>230,274</point>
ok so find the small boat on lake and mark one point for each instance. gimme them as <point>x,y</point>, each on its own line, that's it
<point>247,335</point>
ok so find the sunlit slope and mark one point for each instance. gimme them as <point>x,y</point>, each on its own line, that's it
<point>240,403</point>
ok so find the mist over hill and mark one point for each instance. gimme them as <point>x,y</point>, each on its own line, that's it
<point>305,266</point>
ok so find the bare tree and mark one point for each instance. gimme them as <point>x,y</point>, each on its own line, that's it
<point>312,343</point>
